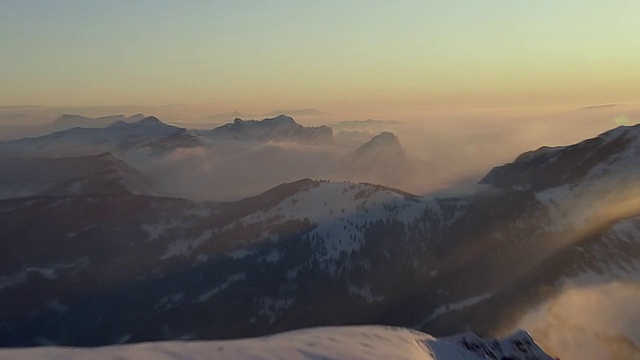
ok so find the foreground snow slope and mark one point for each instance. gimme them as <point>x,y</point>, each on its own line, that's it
<point>353,342</point>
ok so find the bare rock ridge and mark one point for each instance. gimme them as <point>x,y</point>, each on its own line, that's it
<point>279,128</point>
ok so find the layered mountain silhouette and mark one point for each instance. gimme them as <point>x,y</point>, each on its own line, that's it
<point>69,121</point>
<point>123,134</point>
<point>105,268</point>
<point>241,150</point>
<point>279,128</point>
<point>120,136</point>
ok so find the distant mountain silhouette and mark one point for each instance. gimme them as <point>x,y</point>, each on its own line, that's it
<point>279,128</point>
<point>68,121</point>
<point>70,176</point>
<point>380,160</point>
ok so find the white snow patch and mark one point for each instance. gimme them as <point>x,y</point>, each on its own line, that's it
<point>365,292</point>
<point>273,308</point>
<point>340,211</point>
<point>156,230</point>
<point>169,302</point>
<point>457,306</point>
<point>185,247</point>
<point>329,343</point>
<point>230,280</point>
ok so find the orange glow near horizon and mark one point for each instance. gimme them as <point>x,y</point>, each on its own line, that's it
<point>340,58</point>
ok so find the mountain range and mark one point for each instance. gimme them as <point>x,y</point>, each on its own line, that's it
<point>238,149</point>
<point>125,266</point>
<point>279,128</point>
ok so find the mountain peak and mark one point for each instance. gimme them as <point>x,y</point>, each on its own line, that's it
<point>380,160</point>
<point>279,128</point>
<point>67,117</point>
<point>150,120</point>
<point>385,142</point>
<point>281,119</point>
<point>387,137</point>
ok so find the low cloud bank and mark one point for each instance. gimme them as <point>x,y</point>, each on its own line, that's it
<point>592,322</point>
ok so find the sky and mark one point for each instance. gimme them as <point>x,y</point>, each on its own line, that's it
<point>337,56</point>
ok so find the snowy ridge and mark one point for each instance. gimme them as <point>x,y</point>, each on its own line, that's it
<point>457,306</point>
<point>591,182</point>
<point>614,258</point>
<point>340,212</point>
<point>542,155</point>
<point>587,160</point>
<point>330,343</point>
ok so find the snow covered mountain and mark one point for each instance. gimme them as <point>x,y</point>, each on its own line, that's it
<point>330,343</point>
<point>132,268</point>
<point>592,195</point>
<point>614,152</point>
<point>120,135</point>
<point>280,128</point>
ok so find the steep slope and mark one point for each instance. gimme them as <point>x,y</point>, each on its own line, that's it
<point>280,128</point>
<point>331,343</point>
<point>96,174</point>
<point>587,198</point>
<point>549,167</point>
<point>380,160</point>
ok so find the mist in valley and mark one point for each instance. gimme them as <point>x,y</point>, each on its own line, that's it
<point>597,321</point>
<point>442,153</point>
<point>442,149</point>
